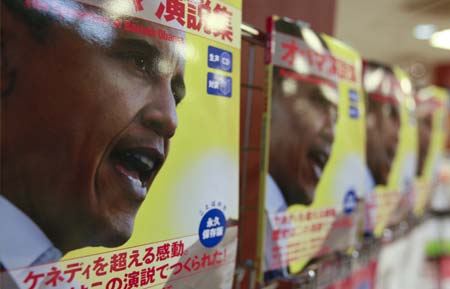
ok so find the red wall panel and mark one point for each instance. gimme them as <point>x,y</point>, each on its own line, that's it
<point>320,14</point>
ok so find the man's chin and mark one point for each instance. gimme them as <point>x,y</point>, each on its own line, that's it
<point>301,197</point>
<point>119,240</point>
<point>309,197</point>
<point>112,241</point>
<point>114,235</point>
<point>382,178</point>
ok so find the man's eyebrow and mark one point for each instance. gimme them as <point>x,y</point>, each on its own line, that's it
<point>139,44</point>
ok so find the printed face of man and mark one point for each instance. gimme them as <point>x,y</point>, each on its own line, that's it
<point>302,132</point>
<point>382,139</point>
<point>86,127</point>
<point>383,126</point>
<point>424,126</point>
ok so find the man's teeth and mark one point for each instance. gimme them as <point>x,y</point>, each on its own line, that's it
<point>317,171</point>
<point>327,150</point>
<point>138,185</point>
<point>149,163</point>
<point>145,160</point>
<point>322,158</point>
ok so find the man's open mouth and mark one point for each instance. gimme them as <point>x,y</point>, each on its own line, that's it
<point>390,156</point>
<point>139,165</point>
<point>318,159</point>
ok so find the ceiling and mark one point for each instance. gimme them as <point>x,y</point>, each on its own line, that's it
<point>383,30</point>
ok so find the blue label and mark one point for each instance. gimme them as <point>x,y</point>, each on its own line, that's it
<point>354,112</point>
<point>219,84</point>
<point>353,95</point>
<point>212,228</point>
<point>220,59</point>
<point>350,202</point>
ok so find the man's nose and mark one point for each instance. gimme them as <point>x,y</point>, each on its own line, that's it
<point>394,131</point>
<point>160,113</point>
<point>328,127</point>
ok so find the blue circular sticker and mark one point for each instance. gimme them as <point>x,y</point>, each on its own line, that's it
<point>212,228</point>
<point>225,61</point>
<point>225,86</point>
<point>350,202</point>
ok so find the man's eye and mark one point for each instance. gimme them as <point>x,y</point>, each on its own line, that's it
<point>139,62</point>
<point>143,64</point>
<point>178,88</point>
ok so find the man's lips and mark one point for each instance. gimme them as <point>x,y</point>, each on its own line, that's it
<point>139,166</point>
<point>318,159</point>
<point>390,155</point>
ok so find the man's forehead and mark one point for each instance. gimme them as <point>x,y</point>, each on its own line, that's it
<point>170,42</point>
<point>98,23</point>
<point>301,89</point>
<point>140,9</point>
<point>382,85</point>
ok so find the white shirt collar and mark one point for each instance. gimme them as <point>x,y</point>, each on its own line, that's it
<point>274,198</point>
<point>275,203</point>
<point>21,240</point>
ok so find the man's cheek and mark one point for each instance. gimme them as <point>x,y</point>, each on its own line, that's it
<point>113,120</point>
<point>313,121</point>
